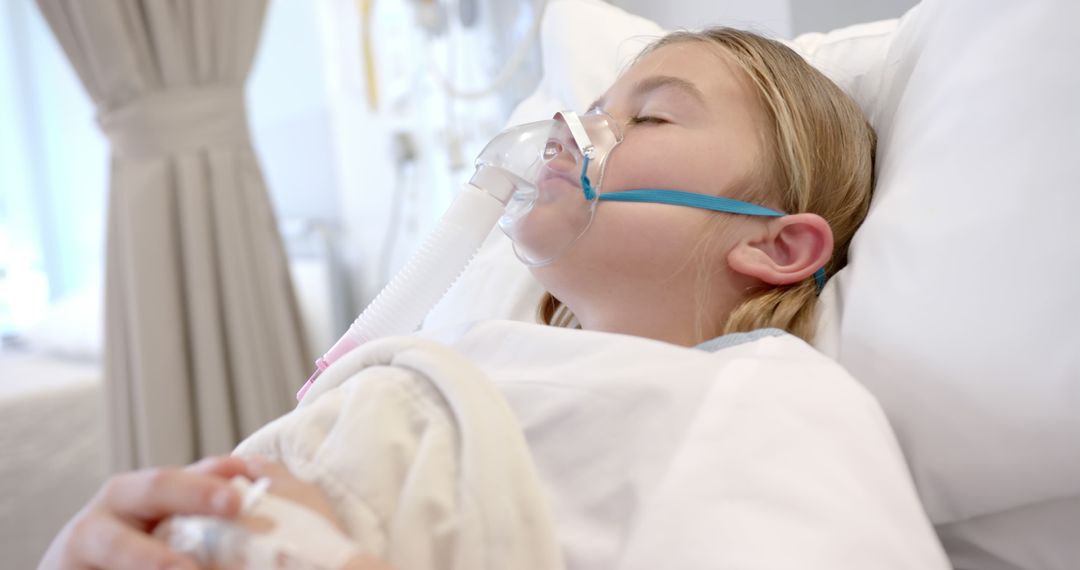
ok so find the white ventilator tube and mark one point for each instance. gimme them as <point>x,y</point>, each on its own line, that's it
<point>401,306</point>
<point>507,170</point>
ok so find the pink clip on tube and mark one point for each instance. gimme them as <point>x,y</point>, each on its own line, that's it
<point>340,348</point>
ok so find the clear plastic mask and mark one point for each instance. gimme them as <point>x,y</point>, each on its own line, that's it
<point>551,207</point>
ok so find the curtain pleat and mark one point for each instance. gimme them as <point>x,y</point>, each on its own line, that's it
<point>203,337</point>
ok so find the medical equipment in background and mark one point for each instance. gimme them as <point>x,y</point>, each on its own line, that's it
<point>511,28</point>
<point>319,278</point>
<point>424,64</point>
<point>367,54</point>
<point>406,190</point>
<point>468,15</point>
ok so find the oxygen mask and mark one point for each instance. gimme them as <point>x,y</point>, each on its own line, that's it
<point>556,168</point>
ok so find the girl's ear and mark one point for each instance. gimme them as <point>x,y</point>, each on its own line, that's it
<point>792,248</point>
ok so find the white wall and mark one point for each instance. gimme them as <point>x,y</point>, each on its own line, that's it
<point>288,113</point>
<point>825,15</point>
<point>769,16</point>
<point>782,18</point>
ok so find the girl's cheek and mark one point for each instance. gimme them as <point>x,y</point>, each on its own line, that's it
<point>628,171</point>
<point>635,164</point>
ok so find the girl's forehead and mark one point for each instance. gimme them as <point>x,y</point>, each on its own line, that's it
<point>707,66</point>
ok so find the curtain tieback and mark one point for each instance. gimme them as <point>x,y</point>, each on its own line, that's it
<point>177,121</point>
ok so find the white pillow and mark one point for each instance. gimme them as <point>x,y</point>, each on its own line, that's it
<point>959,304</point>
<point>957,307</point>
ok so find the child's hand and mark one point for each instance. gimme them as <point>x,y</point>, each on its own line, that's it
<point>111,531</point>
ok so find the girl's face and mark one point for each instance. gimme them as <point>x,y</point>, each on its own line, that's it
<point>691,123</point>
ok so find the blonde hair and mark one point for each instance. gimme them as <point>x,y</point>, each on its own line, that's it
<point>818,157</point>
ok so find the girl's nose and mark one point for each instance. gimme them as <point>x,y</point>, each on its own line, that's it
<point>559,158</point>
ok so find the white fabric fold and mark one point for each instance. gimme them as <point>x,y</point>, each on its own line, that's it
<point>422,459</point>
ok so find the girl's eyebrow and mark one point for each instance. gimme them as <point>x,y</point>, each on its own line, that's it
<point>652,83</point>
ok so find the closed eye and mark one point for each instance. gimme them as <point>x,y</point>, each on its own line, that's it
<point>648,120</point>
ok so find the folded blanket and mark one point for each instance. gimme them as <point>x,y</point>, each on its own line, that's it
<point>421,458</point>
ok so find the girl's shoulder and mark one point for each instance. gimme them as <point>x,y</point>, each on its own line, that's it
<point>777,353</point>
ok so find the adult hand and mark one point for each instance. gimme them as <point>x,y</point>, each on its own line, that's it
<point>112,530</point>
<point>286,485</point>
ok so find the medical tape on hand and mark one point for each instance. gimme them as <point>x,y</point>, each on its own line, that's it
<point>297,530</point>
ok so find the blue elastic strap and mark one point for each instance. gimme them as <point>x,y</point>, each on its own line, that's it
<point>689,199</point>
<point>819,278</point>
<point>586,185</point>
<point>701,201</point>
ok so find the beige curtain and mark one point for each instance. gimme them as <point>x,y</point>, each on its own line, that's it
<point>203,342</point>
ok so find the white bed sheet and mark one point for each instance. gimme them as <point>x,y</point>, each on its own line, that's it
<point>761,455</point>
<point>52,447</point>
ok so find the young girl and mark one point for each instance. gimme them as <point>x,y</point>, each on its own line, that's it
<point>722,113</point>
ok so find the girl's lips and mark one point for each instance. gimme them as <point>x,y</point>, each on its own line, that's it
<point>556,187</point>
<point>548,173</point>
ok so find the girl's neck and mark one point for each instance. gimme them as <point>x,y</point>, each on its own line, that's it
<point>681,323</point>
